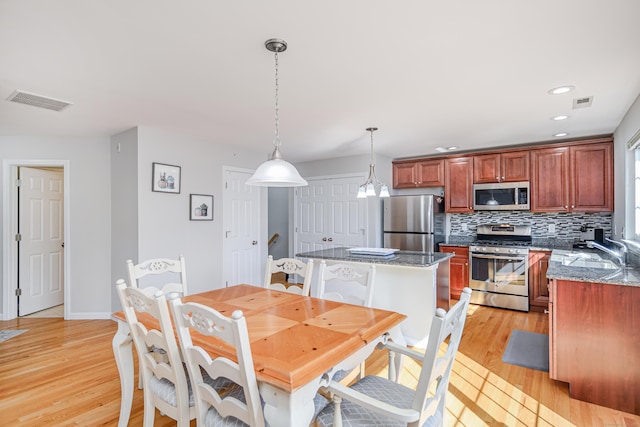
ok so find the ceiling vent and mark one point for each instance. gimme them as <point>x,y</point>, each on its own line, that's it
<point>582,102</point>
<point>38,101</point>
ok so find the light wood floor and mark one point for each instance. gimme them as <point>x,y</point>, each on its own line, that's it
<point>63,373</point>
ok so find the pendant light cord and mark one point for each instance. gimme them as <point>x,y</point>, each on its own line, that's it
<point>371,131</point>
<point>277,140</point>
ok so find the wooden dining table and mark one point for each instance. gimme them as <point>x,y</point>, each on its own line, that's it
<point>297,344</point>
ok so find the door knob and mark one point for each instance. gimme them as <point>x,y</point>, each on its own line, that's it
<point>255,242</point>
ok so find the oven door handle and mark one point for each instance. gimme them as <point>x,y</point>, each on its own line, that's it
<point>507,258</point>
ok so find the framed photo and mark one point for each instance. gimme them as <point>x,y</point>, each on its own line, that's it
<point>166,178</point>
<point>200,207</point>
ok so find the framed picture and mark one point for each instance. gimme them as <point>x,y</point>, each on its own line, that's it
<point>166,178</point>
<point>201,207</point>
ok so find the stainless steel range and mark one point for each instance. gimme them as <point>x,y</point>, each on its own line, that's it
<point>499,266</point>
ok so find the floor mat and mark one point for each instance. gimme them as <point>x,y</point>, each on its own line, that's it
<point>528,349</point>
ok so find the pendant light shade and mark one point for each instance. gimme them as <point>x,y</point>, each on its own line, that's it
<point>276,172</point>
<point>368,189</point>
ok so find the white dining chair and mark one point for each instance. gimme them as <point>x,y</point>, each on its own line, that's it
<point>162,372</point>
<point>351,284</point>
<point>241,404</point>
<point>289,266</point>
<point>377,401</point>
<point>168,274</point>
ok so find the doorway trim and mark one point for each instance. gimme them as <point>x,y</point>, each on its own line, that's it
<point>9,228</point>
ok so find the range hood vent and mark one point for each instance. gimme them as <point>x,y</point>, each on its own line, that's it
<point>38,101</point>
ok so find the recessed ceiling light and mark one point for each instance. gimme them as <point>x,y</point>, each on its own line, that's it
<point>558,118</point>
<point>444,150</point>
<point>561,89</point>
<point>561,134</point>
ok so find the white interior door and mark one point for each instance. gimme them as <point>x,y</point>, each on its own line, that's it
<point>242,232</point>
<point>40,250</point>
<point>328,214</point>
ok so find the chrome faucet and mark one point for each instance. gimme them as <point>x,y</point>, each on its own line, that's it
<point>620,256</point>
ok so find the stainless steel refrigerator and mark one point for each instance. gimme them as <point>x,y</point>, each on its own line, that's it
<point>414,223</point>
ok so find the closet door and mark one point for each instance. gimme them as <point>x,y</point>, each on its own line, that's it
<point>328,214</point>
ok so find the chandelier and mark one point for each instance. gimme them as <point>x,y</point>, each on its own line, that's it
<point>372,183</point>
<point>276,172</point>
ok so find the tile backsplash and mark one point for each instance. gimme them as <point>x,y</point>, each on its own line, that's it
<point>567,225</point>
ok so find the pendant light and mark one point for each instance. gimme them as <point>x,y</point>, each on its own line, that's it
<point>276,172</point>
<point>372,183</point>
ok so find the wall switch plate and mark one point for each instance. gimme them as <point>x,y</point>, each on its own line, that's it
<point>552,228</point>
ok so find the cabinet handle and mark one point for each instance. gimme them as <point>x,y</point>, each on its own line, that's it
<point>498,178</point>
<point>330,239</point>
<point>573,206</point>
<point>546,311</point>
<point>566,207</point>
<point>324,239</point>
<point>503,177</point>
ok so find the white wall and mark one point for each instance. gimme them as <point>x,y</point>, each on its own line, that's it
<point>164,228</point>
<point>624,175</point>
<point>89,216</point>
<point>124,205</point>
<point>115,216</point>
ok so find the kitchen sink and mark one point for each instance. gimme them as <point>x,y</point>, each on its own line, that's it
<point>583,260</point>
<point>587,263</point>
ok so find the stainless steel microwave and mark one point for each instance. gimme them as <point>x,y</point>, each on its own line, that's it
<point>501,196</point>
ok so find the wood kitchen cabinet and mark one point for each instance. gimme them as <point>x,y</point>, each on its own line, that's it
<point>591,178</point>
<point>538,282</point>
<point>501,167</point>
<point>458,269</point>
<point>576,178</point>
<point>417,174</point>
<point>458,182</point>
<point>593,342</point>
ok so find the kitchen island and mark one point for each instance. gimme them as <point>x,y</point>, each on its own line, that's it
<point>411,283</point>
<point>593,329</point>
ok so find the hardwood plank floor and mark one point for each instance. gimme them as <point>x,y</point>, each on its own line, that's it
<point>62,373</point>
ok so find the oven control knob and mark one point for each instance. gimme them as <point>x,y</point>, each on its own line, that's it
<point>497,249</point>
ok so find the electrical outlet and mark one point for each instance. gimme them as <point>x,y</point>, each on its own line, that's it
<point>552,228</point>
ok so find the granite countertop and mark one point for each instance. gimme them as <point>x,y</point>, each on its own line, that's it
<point>629,276</point>
<point>400,258</point>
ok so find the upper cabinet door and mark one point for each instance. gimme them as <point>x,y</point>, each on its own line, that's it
<point>501,167</point>
<point>486,168</point>
<point>592,178</point>
<point>514,166</point>
<point>458,174</point>
<point>415,174</point>
<point>578,178</point>
<point>405,175</point>
<point>431,173</point>
<point>550,180</point>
